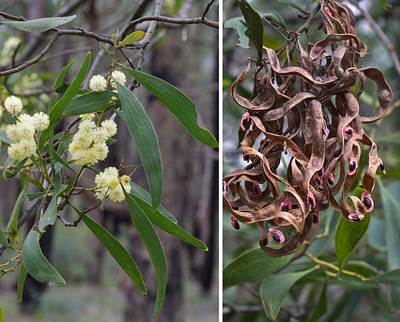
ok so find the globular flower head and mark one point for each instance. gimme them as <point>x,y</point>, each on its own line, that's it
<point>20,131</point>
<point>13,105</point>
<point>40,121</point>
<point>98,83</point>
<point>88,145</point>
<point>22,149</point>
<point>108,184</point>
<point>109,127</point>
<point>117,76</point>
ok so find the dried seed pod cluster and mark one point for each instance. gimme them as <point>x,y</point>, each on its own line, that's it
<point>305,112</point>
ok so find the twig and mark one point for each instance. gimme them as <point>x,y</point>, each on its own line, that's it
<point>386,42</point>
<point>150,30</point>
<point>66,10</point>
<point>210,2</point>
<point>53,39</point>
<point>183,21</point>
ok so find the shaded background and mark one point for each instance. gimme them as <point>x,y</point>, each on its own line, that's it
<point>380,247</point>
<point>96,289</point>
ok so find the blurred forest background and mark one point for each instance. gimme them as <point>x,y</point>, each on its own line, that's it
<point>380,247</point>
<point>186,56</point>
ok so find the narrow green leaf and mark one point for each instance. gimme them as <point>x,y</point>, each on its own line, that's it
<point>391,206</point>
<point>117,251</point>
<point>12,226</point>
<point>61,75</point>
<point>89,103</point>
<point>252,266</point>
<point>180,105</point>
<point>38,25</point>
<point>4,138</point>
<point>255,28</point>
<point>144,135</point>
<point>321,307</point>
<point>348,235</point>
<point>274,289</point>
<point>142,194</point>
<point>168,226</point>
<point>132,38</point>
<point>36,263</point>
<point>57,110</point>
<point>21,281</point>
<point>150,240</point>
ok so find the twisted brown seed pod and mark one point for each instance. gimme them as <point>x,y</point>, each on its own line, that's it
<point>304,110</point>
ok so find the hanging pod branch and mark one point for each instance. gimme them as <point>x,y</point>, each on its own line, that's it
<point>305,112</point>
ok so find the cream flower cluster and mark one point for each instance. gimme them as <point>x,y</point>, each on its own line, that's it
<point>13,105</point>
<point>109,184</point>
<point>117,76</point>
<point>23,133</point>
<point>98,83</point>
<point>88,145</point>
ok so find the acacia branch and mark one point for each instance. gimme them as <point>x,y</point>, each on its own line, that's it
<point>177,21</point>
<point>33,47</point>
<point>50,44</point>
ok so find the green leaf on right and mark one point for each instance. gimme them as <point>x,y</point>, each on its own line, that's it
<point>252,266</point>
<point>38,25</point>
<point>255,28</point>
<point>145,197</point>
<point>36,263</point>
<point>144,135</point>
<point>169,226</point>
<point>274,289</point>
<point>178,103</point>
<point>117,251</point>
<point>348,234</point>
<point>150,240</point>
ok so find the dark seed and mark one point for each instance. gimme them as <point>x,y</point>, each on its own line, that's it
<point>235,223</point>
<point>276,238</point>
<point>352,165</point>
<point>285,208</point>
<point>382,167</point>
<point>367,202</point>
